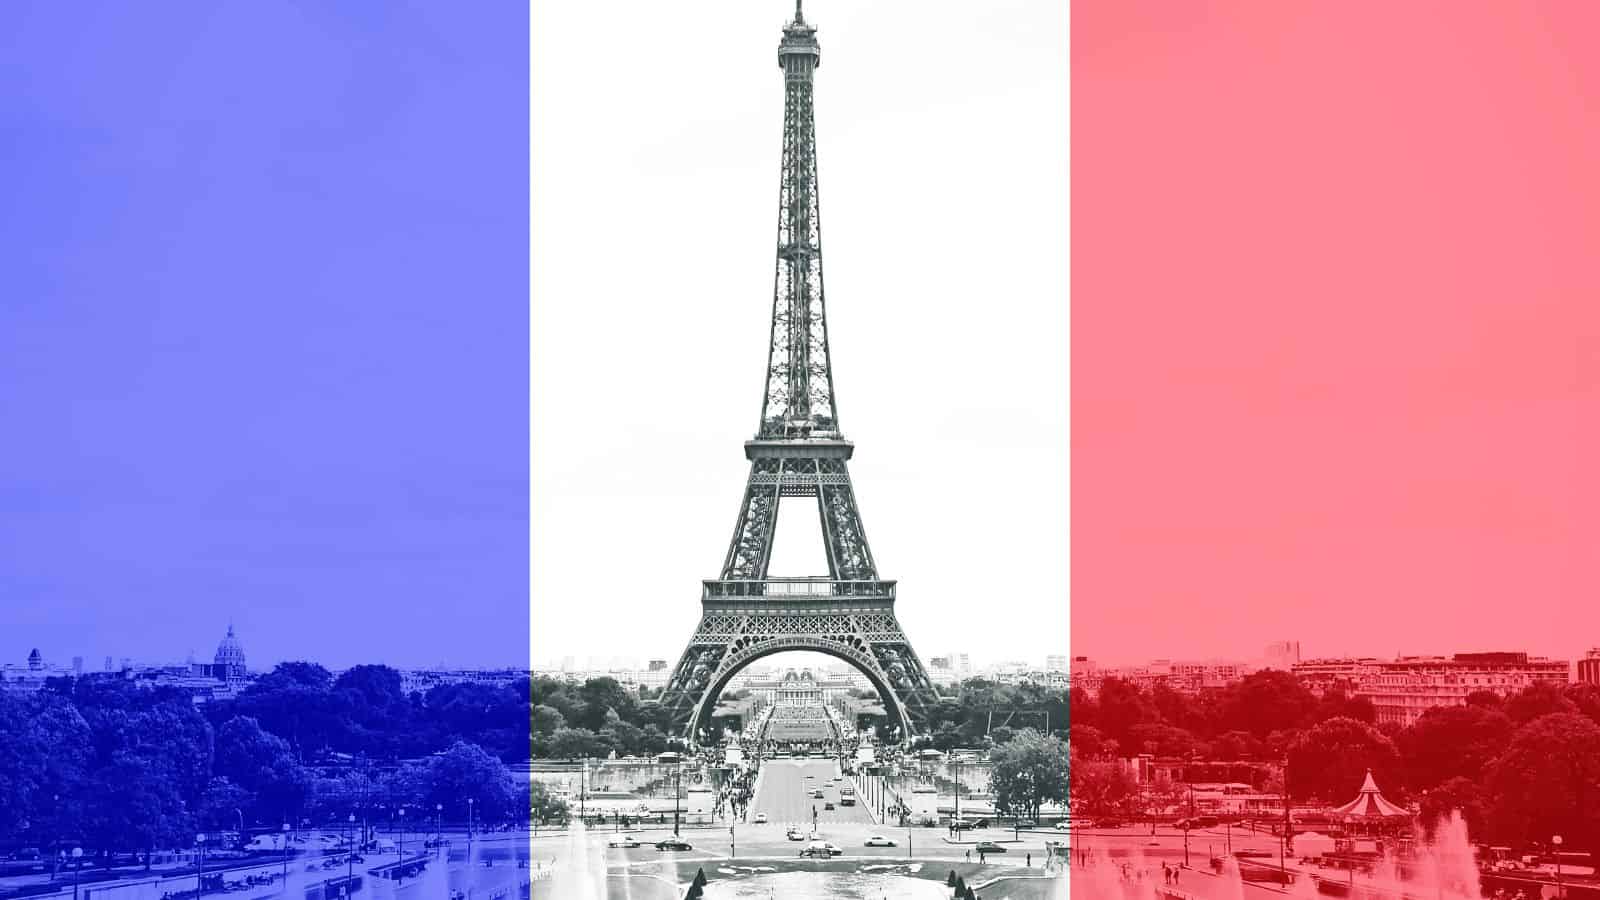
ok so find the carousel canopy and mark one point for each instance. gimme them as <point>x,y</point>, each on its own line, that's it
<point>1371,804</point>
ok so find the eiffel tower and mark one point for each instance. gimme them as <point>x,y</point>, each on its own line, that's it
<point>798,451</point>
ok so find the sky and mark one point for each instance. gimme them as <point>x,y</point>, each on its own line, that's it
<point>1335,336</point>
<point>263,335</point>
<point>942,141</point>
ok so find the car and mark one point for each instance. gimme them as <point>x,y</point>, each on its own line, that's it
<point>879,840</point>
<point>795,834</point>
<point>1253,854</point>
<point>761,818</point>
<point>820,849</point>
<point>674,844</point>
<point>816,795</point>
<point>1024,823</point>
<point>989,847</point>
<point>1063,826</point>
<point>624,841</point>
<point>827,806</point>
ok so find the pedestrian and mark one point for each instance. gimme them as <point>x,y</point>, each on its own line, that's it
<point>968,856</point>
<point>1030,860</point>
<point>1175,873</point>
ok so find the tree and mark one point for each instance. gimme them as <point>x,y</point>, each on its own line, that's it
<point>1453,742</point>
<point>1462,795</point>
<point>601,695</point>
<point>547,720</point>
<point>1092,743</point>
<point>263,765</point>
<point>1268,701</point>
<point>295,702</point>
<point>626,737</point>
<point>1027,771</point>
<point>1162,740</point>
<point>45,750</point>
<point>1486,699</point>
<point>1330,761</point>
<point>1545,782</point>
<point>1121,707</point>
<point>575,743</point>
<point>467,771</point>
<point>1235,745</point>
<point>1538,699</point>
<point>221,803</point>
<point>1335,704</point>
<point>546,806</point>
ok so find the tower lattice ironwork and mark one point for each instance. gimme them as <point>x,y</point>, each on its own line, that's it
<point>798,451</point>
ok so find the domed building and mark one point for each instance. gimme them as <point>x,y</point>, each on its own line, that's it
<point>228,664</point>
<point>35,661</point>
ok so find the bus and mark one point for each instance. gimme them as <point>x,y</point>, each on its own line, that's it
<point>847,796</point>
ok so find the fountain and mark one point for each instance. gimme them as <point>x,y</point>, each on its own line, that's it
<point>1443,867</point>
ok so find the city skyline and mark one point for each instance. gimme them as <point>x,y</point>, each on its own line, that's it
<point>1241,653</point>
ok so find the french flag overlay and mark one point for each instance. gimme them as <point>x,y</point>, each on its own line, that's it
<point>1335,356</point>
<point>263,481</point>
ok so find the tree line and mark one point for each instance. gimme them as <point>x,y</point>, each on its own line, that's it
<point>600,716</point>
<point>1520,769</point>
<point>104,764</point>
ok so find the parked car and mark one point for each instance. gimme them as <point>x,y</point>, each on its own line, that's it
<point>879,840</point>
<point>625,842</point>
<point>761,818</point>
<point>795,834</point>
<point>1024,823</point>
<point>674,844</point>
<point>1063,826</point>
<point>989,847</point>
<point>828,805</point>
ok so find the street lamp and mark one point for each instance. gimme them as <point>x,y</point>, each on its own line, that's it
<point>677,792</point>
<point>286,856</point>
<point>350,866</point>
<point>956,762</point>
<point>1187,823</point>
<point>470,801</point>
<point>77,863</point>
<point>438,830</point>
<point>200,870</point>
<point>1557,841</point>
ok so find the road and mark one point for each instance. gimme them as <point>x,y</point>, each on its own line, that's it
<point>783,792</point>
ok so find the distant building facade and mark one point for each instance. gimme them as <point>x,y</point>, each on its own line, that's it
<point>1402,689</point>
<point>1589,668</point>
